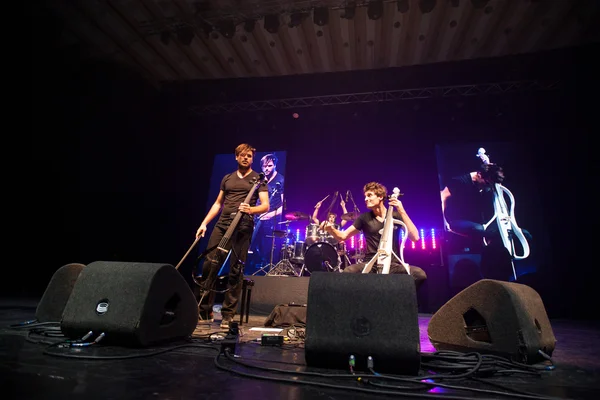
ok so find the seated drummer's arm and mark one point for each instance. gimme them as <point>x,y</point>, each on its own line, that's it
<point>343,235</point>
<point>315,213</point>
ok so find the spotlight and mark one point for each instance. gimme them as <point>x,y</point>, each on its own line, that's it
<point>185,35</point>
<point>296,19</point>
<point>426,6</point>
<point>479,3</point>
<point>375,9</point>
<point>402,6</point>
<point>349,11</point>
<point>226,28</point>
<point>249,25</point>
<point>321,16</point>
<point>165,37</point>
<point>205,27</point>
<point>271,23</point>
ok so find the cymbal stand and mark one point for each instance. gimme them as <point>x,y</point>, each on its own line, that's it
<point>356,210</point>
<point>345,255</point>
<point>284,266</point>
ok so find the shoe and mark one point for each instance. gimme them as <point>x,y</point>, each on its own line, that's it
<point>206,317</point>
<point>225,322</point>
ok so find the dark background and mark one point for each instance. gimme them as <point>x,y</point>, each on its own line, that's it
<point>122,170</point>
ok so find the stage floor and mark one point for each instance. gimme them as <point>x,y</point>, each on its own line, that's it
<point>186,370</point>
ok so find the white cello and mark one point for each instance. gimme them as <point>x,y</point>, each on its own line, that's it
<point>383,258</point>
<point>505,218</point>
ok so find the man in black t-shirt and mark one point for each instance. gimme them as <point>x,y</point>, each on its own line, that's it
<point>235,187</point>
<point>371,224</point>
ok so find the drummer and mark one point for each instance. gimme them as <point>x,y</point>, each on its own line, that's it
<point>331,217</point>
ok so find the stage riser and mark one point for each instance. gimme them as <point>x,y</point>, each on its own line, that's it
<point>269,291</point>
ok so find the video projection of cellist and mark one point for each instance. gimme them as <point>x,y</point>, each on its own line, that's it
<point>492,226</point>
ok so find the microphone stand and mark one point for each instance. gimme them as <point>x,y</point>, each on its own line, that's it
<point>357,211</point>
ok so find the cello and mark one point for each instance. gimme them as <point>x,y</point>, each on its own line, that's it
<point>383,259</point>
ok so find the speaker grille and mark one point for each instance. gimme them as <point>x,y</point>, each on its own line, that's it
<point>133,303</point>
<point>362,315</point>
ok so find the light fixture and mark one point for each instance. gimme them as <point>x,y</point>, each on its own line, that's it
<point>272,23</point>
<point>349,10</point>
<point>321,16</point>
<point>402,6</point>
<point>375,9</point>
<point>249,25</point>
<point>296,19</point>
<point>185,35</point>
<point>226,28</point>
<point>426,6</point>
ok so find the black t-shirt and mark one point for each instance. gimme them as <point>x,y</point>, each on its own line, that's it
<point>371,228</point>
<point>276,185</point>
<point>235,190</point>
<point>468,201</point>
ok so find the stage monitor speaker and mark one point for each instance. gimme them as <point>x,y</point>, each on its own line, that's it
<point>57,293</point>
<point>362,315</point>
<point>494,317</point>
<point>134,304</point>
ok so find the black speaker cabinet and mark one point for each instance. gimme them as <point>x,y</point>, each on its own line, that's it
<point>494,317</point>
<point>57,293</point>
<point>362,315</point>
<point>134,304</point>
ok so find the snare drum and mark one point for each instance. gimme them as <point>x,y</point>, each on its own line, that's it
<point>312,234</point>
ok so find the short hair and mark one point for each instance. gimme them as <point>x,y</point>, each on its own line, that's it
<point>377,188</point>
<point>330,214</point>
<point>243,148</point>
<point>267,158</point>
<point>492,172</point>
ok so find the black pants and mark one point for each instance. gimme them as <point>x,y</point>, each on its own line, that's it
<point>238,244</point>
<point>263,243</point>
<point>395,268</point>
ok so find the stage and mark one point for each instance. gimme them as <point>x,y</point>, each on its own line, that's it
<point>32,368</point>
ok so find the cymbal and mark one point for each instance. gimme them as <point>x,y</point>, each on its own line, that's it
<point>349,216</point>
<point>279,234</point>
<point>296,216</point>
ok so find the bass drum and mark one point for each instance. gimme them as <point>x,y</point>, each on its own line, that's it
<point>321,256</point>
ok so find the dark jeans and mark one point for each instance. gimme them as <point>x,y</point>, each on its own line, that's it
<point>496,261</point>
<point>395,268</point>
<point>263,243</point>
<point>239,244</point>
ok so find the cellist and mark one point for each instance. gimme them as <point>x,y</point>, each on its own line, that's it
<point>371,224</point>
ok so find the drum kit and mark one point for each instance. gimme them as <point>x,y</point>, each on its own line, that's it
<point>319,251</point>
